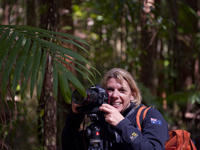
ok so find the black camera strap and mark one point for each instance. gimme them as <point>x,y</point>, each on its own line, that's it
<point>130,110</point>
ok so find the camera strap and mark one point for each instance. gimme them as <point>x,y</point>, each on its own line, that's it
<point>131,110</point>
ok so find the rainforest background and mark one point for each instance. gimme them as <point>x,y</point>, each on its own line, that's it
<point>157,41</point>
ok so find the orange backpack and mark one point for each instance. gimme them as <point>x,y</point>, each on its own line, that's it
<point>178,139</point>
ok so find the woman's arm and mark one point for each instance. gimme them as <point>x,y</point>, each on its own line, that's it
<point>70,133</point>
<point>153,136</point>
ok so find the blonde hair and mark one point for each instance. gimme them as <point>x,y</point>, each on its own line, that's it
<point>121,74</point>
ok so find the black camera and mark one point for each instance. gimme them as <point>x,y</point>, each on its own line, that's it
<point>90,104</point>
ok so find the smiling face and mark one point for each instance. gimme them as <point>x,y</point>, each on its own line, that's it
<point>120,94</point>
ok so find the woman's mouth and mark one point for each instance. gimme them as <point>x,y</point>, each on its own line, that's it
<point>115,104</point>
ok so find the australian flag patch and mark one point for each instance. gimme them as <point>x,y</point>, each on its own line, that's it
<point>156,121</point>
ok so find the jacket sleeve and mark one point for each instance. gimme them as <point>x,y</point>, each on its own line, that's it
<point>153,136</point>
<point>70,133</point>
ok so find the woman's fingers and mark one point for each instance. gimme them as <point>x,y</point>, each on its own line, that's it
<point>74,107</point>
<point>107,108</point>
<point>112,115</point>
<point>104,108</point>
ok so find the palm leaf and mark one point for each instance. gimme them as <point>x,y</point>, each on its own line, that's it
<point>30,46</point>
<point>41,73</point>
<point>20,64</point>
<point>61,49</point>
<point>59,56</point>
<point>55,80</point>
<point>25,28</point>
<point>1,30</point>
<point>35,68</point>
<point>72,79</point>
<point>4,36</point>
<point>49,34</point>
<point>5,46</point>
<point>55,47</point>
<point>65,62</point>
<point>9,64</point>
<point>27,68</point>
<point>59,39</point>
<point>64,86</point>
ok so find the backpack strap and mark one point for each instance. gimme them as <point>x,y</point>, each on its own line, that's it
<point>139,112</point>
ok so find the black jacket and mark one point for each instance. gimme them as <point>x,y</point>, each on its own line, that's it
<point>124,136</point>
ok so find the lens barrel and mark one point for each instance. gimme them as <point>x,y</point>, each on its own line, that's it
<point>96,96</point>
<point>78,98</point>
<point>91,98</point>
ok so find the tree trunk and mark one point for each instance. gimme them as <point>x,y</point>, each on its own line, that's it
<point>50,111</point>
<point>64,19</point>
<point>43,25</point>
<point>183,51</point>
<point>65,16</point>
<point>6,12</point>
<point>49,22</point>
<point>148,41</point>
<point>192,64</point>
<point>30,13</point>
<point>192,72</point>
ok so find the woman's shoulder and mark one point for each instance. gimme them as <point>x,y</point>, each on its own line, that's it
<point>150,111</point>
<point>154,114</point>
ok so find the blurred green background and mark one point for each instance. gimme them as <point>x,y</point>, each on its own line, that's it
<point>157,41</point>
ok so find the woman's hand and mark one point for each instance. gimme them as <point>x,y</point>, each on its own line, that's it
<point>74,107</point>
<point>112,115</point>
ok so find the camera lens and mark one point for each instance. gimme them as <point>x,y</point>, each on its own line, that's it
<point>96,96</point>
<point>78,98</point>
<point>92,98</point>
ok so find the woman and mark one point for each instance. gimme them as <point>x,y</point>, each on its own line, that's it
<point>125,100</point>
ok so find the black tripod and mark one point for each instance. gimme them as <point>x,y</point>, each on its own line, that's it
<point>97,132</point>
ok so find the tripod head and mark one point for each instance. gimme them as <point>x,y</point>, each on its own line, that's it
<point>94,132</point>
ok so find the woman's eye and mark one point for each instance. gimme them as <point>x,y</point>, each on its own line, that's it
<point>122,90</point>
<point>109,90</point>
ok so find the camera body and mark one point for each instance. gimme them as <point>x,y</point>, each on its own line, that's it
<point>90,104</point>
<point>96,96</point>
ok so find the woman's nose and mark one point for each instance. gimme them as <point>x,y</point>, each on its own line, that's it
<point>115,94</point>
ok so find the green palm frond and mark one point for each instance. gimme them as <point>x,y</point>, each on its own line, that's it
<point>24,49</point>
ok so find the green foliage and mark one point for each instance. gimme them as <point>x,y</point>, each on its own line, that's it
<point>113,29</point>
<point>109,22</point>
<point>25,49</point>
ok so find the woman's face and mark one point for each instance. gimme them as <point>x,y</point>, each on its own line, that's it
<point>120,94</point>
